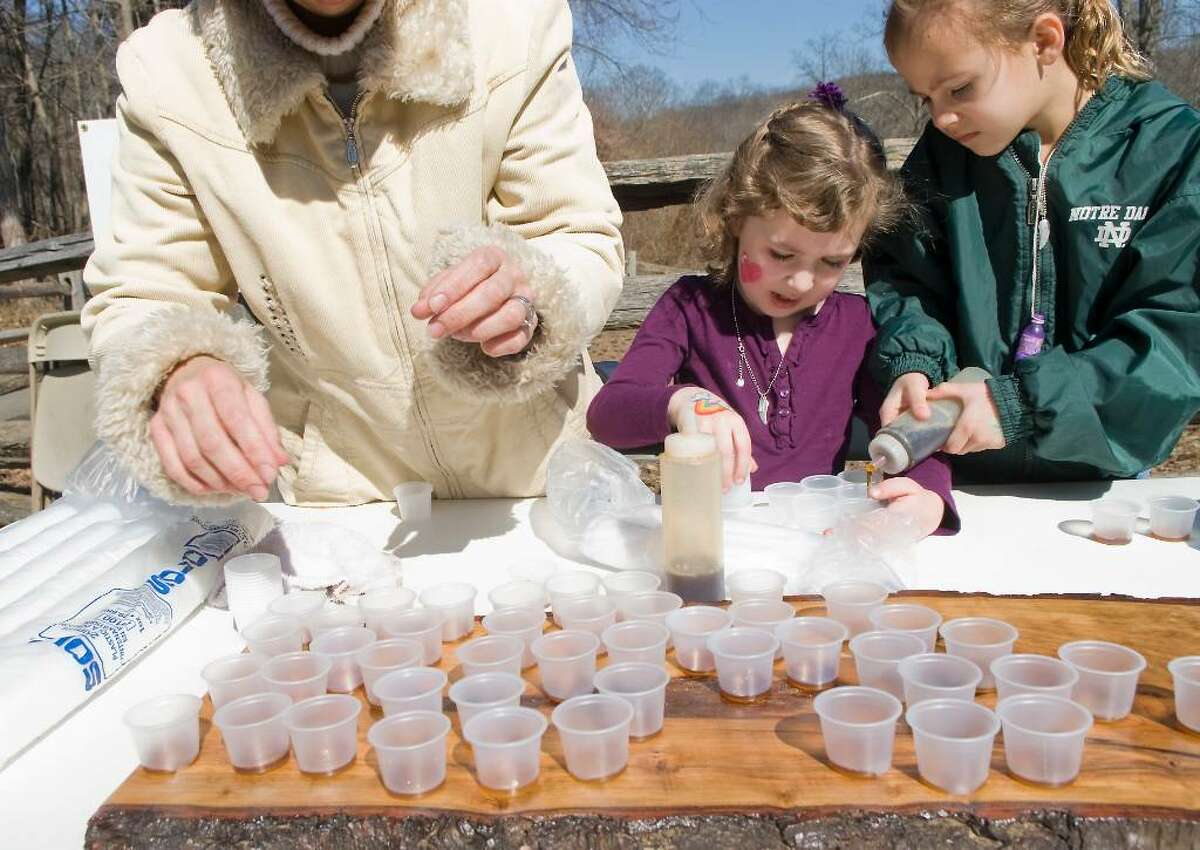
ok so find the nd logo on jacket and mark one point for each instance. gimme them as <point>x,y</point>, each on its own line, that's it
<point>1110,233</point>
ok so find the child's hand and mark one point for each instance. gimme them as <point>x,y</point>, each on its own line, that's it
<point>978,427</point>
<point>713,416</point>
<point>907,393</point>
<point>906,496</point>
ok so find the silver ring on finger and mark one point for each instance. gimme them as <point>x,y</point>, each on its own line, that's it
<point>531,317</point>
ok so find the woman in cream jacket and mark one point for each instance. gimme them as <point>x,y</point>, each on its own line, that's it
<point>390,212</point>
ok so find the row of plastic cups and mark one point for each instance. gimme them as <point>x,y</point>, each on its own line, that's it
<point>1171,518</point>
<point>1043,736</point>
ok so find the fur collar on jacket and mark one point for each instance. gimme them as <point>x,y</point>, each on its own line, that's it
<point>417,50</point>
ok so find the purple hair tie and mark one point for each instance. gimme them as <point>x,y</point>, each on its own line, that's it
<point>830,94</point>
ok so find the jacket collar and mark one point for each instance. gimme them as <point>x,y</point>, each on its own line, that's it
<point>418,50</point>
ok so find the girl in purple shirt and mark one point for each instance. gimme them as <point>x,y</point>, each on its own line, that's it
<point>763,351</point>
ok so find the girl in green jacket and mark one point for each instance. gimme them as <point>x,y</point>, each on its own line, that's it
<point>1059,247</point>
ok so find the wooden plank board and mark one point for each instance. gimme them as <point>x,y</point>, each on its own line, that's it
<point>717,760</point>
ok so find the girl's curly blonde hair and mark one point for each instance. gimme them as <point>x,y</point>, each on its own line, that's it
<point>1096,43</point>
<point>819,164</point>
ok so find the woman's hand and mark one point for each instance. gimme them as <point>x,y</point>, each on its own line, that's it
<point>907,393</point>
<point>978,427</point>
<point>924,508</point>
<point>712,415</point>
<point>484,298</point>
<point>214,433</point>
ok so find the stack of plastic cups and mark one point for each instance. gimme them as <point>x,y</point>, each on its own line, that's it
<point>252,582</point>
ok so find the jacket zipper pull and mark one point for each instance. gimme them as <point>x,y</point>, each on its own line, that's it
<point>1031,208</point>
<point>351,149</point>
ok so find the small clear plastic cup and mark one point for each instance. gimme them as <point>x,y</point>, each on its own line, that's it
<point>410,689</point>
<point>980,640</point>
<point>859,728</point>
<point>855,481</point>
<point>652,606</point>
<point>341,646</point>
<point>518,593</point>
<point>807,510</point>
<point>476,694</point>
<point>536,570</point>
<point>744,659</point>
<point>594,614</point>
<point>739,497</point>
<point>377,605</point>
<point>910,619</point>
<point>690,629</point>
<point>1043,737</point>
<point>166,731</point>
<point>1108,676</point>
<point>411,749</point>
<point>812,647</point>
<point>253,732</point>
<point>301,604</point>
<point>779,499</point>
<point>272,635</point>
<point>930,675</point>
<point>644,687</point>
<point>298,675</point>
<point>455,601</point>
<point>232,677</point>
<point>953,739</point>
<point>594,731</point>
<point>506,743</point>
<point>414,500</point>
<point>637,641</point>
<point>1113,520</point>
<point>491,654</point>
<point>764,614</point>
<point>525,624</point>
<point>384,656</point>
<point>567,663</point>
<point>829,485</point>
<point>333,615</point>
<point>324,732</point>
<point>1172,517</point>
<point>570,584</point>
<point>624,583</point>
<point>424,625</point>
<point>1033,674</point>
<point>877,657</point>
<point>745,585</point>
<point>1185,675</point>
<point>851,603</point>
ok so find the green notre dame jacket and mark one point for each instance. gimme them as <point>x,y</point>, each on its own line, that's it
<point>1119,284</point>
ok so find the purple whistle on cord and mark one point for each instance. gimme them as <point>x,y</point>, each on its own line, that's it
<point>1033,338</point>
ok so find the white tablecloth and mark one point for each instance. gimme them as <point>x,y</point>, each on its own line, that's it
<point>1014,541</point>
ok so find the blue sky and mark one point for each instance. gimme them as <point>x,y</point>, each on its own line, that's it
<point>727,39</point>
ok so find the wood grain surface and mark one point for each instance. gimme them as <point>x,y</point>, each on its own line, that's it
<point>727,764</point>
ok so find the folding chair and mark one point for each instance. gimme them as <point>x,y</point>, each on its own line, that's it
<point>62,410</point>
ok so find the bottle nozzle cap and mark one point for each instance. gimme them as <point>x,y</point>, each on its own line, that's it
<point>888,454</point>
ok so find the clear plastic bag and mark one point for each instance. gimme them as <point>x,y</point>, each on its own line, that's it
<point>876,546</point>
<point>100,476</point>
<point>585,480</point>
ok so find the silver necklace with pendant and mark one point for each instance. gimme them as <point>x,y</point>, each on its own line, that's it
<point>744,367</point>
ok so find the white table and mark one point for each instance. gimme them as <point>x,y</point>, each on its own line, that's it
<point>1011,543</point>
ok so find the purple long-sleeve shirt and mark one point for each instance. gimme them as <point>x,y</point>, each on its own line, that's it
<point>688,339</point>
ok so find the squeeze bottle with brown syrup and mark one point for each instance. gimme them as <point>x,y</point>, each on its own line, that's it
<point>693,543</point>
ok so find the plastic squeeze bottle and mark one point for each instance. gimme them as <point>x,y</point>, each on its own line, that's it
<point>693,544</point>
<point>907,440</point>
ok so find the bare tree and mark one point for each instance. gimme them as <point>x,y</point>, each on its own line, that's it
<point>1143,21</point>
